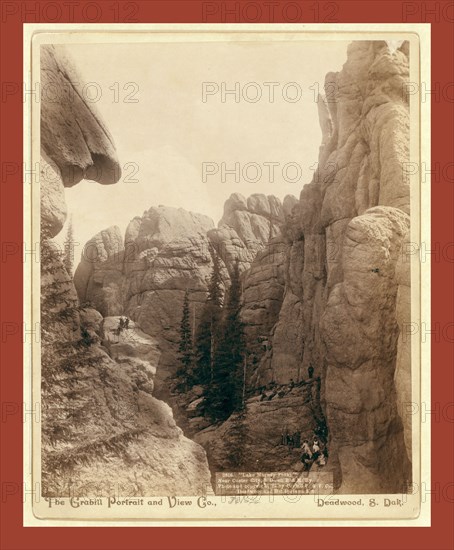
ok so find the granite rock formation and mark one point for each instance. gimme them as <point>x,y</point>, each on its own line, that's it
<point>325,285</point>
<point>103,432</point>
<point>169,250</point>
<point>402,374</point>
<point>72,132</point>
<point>344,296</point>
<point>246,226</point>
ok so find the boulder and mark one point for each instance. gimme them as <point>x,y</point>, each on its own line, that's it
<point>73,134</point>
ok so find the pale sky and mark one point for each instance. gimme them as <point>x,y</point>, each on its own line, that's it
<point>170,132</point>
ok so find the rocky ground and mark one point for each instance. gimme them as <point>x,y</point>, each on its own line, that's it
<point>252,440</point>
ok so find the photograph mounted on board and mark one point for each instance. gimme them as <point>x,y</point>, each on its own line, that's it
<point>229,280</point>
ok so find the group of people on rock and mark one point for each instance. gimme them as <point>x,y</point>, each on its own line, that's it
<point>267,393</point>
<point>316,452</point>
<point>123,324</point>
<point>276,389</point>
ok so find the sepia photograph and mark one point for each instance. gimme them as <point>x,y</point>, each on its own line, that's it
<point>228,285</point>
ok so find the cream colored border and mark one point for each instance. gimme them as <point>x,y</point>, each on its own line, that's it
<point>419,36</point>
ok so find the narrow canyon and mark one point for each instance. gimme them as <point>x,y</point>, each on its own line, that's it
<point>325,292</point>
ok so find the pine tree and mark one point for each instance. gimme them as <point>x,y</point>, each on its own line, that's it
<point>225,392</point>
<point>208,330</point>
<point>68,254</point>
<point>185,347</point>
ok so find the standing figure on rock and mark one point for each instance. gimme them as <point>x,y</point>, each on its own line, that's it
<point>118,330</point>
<point>315,449</point>
<point>306,457</point>
<point>310,371</point>
<point>306,448</point>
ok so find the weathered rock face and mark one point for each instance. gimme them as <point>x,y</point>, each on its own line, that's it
<point>165,252</point>
<point>343,297</point>
<point>263,290</point>
<point>99,276</point>
<point>169,250</point>
<point>72,132</point>
<point>52,198</point>
<point>103,432</point>
<point>246,226</point>
<point>360,392</point>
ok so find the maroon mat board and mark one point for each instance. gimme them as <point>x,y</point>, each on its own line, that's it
<point>440,535</point>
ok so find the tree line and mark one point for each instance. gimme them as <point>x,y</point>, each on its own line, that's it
<point>215,356</point>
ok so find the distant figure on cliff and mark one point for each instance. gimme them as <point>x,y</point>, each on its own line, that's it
<point>118,330</point>
<point>126,323</point>
<point>306,448</point>
<point>315,449</point>
<point>306,457</point>
<point>310,371</point>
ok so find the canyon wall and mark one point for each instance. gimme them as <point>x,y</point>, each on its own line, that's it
<point>168,250</point>
<point>344,296</point>
<point>103,432</point>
